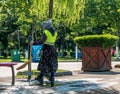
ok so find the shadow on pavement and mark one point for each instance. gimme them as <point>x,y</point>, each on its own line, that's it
<point>62,87</point>
<point>99,91</point>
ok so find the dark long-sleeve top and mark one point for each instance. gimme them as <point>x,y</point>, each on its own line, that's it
<point>41,41</point>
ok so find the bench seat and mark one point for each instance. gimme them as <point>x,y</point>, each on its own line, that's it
<point>11,65</point>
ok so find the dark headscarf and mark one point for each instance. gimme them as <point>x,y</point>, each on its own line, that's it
<point>48,25</point>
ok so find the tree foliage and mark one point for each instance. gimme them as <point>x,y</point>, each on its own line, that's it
<point>27,15</point>
<point>78,17</point>
<point>100,16</point>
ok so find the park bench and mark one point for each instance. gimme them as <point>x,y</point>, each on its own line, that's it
<point>11,65</point>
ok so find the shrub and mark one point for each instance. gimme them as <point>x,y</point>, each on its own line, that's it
<point>104,41</point>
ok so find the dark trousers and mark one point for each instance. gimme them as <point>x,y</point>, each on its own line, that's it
<point>50,77</point>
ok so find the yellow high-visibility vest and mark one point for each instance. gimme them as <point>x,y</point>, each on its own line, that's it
<point>50,38</point>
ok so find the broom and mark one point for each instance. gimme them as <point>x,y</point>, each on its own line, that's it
<point>117,66</point>
<point>27,62</point>
<point>24,65</point>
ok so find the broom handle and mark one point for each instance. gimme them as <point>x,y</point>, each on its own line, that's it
<point>29,64</point>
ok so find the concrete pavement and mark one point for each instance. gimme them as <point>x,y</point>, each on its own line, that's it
<point>78,83</point>
<point>70,66</point>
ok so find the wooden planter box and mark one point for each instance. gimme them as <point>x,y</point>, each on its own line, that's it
<point>96,59</point>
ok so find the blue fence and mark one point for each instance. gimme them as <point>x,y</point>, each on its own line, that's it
<point>79,54</point>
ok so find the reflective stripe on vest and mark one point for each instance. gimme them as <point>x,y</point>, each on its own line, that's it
<point>50,38</point>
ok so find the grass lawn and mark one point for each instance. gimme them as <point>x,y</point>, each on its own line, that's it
<point>23,74</point>
<point>60,59</point>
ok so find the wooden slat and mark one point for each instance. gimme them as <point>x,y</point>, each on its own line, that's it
<point>96,59</point>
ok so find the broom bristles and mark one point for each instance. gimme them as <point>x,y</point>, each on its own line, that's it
<point>23,65</point>
<point>117,66</point>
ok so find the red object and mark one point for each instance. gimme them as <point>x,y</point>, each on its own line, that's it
<point>8,64</point>
<point>12,69</point>
<point>112,51</point>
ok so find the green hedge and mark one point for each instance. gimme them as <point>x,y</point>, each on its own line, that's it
<point>104,41</point>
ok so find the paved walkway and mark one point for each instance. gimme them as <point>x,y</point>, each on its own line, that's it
<point>78,83</point>
<point>70,66</point>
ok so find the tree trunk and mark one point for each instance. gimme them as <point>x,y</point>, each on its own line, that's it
<point>50,9</point>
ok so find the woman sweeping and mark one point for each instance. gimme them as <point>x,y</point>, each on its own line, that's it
<point>48,63</point>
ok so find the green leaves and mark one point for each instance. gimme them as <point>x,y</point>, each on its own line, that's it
<point>96,40</point>
<point>68,11</point>
<point>100,17</point>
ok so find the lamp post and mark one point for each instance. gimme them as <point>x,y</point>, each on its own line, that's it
<point>76,52</point>
<point>18,31</point>
<point>19,40</point>
<point>117,47</point>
